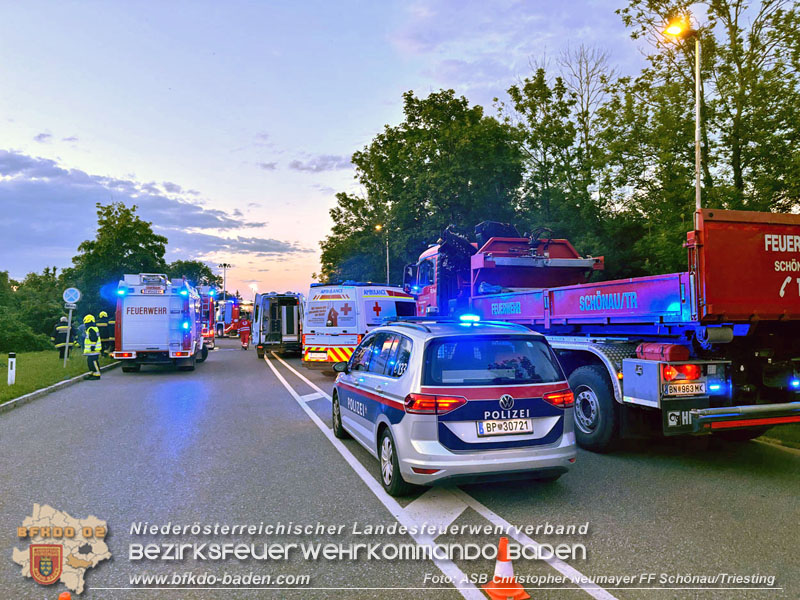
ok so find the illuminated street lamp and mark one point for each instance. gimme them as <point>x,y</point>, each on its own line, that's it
<point>380,228</point>
<point>682,29</point>
<point>254,287</point>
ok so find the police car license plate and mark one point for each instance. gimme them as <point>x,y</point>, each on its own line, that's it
<point>505,427</point>
<point>685,389</point>
<point>317,356</point>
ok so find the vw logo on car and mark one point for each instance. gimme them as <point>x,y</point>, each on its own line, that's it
<point>506,402</point>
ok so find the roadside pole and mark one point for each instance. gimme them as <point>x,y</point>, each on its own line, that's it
<point>70,296</point>
<point>12,368</point>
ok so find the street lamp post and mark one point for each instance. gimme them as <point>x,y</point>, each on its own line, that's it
<point>682,29</point>
<point>224,267</point>
<point>386,236</point>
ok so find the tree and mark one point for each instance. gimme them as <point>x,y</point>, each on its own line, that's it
<point>124,243</point>
<point>446,163</point>
<point>195,271</point>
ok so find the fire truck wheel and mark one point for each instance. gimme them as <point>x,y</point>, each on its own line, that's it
<point>131,369</point>
<point>203,354</point>
<point>336,419</point>
<point>741,435</point>
<point>596,412</point>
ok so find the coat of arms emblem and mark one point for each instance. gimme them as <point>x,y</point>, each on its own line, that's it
<point>46,562</point>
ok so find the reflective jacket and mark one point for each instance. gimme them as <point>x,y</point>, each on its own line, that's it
<point>59,335</point>
<point>93,343</point>
<point>102,326</point>
<point>112,325</point>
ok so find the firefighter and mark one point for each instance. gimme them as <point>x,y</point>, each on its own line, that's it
<point>92,346</point>
<point>59,336</point>
<point>244,332</point>
<point>102,326</point>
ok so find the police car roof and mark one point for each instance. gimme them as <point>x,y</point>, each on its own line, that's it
<point>442,326</point>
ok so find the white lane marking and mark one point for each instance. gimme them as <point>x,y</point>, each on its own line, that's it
<point>311,396</point>
<point>448,567</point>
<point>572,574</point>
<point>438,506</point>
<point>301,376</point>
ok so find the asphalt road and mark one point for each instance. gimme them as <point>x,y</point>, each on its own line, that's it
<point>241,442</point>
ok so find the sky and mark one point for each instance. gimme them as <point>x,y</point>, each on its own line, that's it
<point>231,124</point>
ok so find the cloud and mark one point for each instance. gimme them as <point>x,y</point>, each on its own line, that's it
<point>43,137</point>
<point>72,138</point>
<point>262,136</point>
<point>321,162</point>
<point>48,210</point>
<point>267,166</point>
<point>325,189</point>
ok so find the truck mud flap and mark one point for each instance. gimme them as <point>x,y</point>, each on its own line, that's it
<point>734,417</point>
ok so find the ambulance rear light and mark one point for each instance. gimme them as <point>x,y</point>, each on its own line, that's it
<point>562,399</point>
<point>124,354</point>
<point>681,372</point>
<point>430,404</point>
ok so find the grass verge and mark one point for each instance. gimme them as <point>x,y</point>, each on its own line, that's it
<point>37,370</point>
<point>787,435</point>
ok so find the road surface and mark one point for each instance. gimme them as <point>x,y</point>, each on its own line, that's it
<point>247,441</point>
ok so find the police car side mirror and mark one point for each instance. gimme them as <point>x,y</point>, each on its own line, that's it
<point>341,367</point>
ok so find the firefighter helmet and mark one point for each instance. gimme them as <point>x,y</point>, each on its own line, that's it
<point>102,314</point>
<point>88,319</point>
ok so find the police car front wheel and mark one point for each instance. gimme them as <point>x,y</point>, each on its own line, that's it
<point>336,419</point>
<point>391,479</point>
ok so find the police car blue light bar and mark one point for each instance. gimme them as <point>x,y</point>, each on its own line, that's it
<point>469,318</point>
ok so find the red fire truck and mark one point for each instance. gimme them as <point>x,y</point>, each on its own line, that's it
<point>714,349</point>
<point>207,310</point>
<point>158,322</point>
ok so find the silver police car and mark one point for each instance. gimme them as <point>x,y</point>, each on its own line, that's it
<point>456,400</point>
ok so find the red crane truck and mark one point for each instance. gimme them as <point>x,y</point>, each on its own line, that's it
<point>714,349</point>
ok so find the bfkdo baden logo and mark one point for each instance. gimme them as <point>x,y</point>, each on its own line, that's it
<point>62,548</point>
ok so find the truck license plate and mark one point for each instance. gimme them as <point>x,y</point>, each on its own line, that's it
<point>686,389</point>
<point>505,427</point>
<point>152,290</point>
<point>317,356</point>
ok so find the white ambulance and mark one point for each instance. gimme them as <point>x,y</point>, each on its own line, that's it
<point>158,322</point>
<point>338,316</point>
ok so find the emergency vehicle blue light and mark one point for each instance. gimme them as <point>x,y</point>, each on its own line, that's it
<point>186,324</point>
<point>795,383</point>
<point>469,318</point>
<point>211,293</point>
<point>121,291</point>
<point>714,387</point>
<point>184,292</point>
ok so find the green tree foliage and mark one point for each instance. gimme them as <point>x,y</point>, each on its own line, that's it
<point>196,272</point>
<point>446,163</point>
<point>124,244</point>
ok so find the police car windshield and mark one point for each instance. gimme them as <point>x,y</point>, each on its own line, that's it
<point>490,360</point>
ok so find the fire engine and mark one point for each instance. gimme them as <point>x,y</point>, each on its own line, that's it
<point>158,322</point>
<point>207,310</point>
<point>714,349</point>
<point>228,318</point>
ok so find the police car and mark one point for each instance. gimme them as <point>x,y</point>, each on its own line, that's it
<point>455,400</point>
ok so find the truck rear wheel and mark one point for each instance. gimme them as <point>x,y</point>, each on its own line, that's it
<point>596,411</point>
<point>203,354</point>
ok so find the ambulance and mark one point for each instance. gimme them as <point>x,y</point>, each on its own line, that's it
<point>338,316</point>
<point>158,322</point>
<point>277,323</point>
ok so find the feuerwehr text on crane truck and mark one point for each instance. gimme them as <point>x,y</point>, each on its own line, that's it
<point>713,350</point>
<point>158,322</point>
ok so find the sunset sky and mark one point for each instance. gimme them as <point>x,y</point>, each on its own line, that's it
<point>231,124</point>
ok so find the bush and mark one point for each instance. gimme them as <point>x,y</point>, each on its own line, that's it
<point>17,336</point>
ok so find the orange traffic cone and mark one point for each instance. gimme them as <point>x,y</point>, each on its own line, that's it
<point>504,585</point>
<point>65,596</point>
